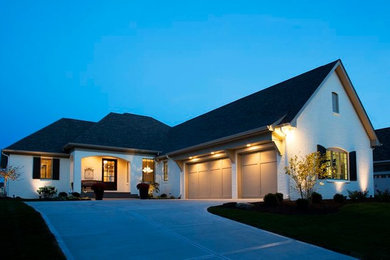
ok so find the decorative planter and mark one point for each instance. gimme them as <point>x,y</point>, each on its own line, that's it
<point>143,190</point>
<point>98,189</point>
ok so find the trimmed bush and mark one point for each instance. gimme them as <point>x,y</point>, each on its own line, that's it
<point>229,204</point>
<point>163,196</point>
<point>271,200</point>
<point>63,195</point>
<point>357,195</point>
<point>316,197</point>
<point>76,194</point>
<point>302,204</point>
<point>47,192</point>
<point>339,198</point>
<point>382,196</point>
<point>279,196</point>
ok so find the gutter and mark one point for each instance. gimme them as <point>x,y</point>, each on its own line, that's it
<point>223,140</point>
<point>25,152</point>
<point>110,148</point>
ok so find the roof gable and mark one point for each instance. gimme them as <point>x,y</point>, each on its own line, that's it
<point>126,131</point>
<point>53,137</point>
<point>278,103</point>
<point>382,153</point>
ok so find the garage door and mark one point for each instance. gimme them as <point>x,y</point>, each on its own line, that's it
<point>210,180</point>
<point>258,174</point>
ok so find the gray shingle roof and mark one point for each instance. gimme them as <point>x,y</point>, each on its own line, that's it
<point>262,108</point>
<point>53,137</point>
<point>127,131</point>
<point>281,101</point>
<point>382,153</point>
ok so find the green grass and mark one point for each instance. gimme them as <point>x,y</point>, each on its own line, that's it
<point>24,234</point>
<point>361,229</point>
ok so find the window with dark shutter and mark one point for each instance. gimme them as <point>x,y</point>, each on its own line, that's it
<point>36,168</point>
<point>322,151</point>
<point>56,169</point>
<point>352,166</point>
<point>4,161</point>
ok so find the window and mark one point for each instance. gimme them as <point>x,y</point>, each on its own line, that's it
<point>148,170</point>
<point>337,164</point>
<point>335,102</point>
<point>165,170</point>
<point>46,168</point>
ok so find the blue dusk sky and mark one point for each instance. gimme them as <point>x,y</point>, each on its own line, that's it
<point>174,60</point>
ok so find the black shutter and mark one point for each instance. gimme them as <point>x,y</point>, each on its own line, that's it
<point>352,166</point>
<point>4,161</point>
<point>322,151</point>
<point>36,168</point>
<point>56,169</point>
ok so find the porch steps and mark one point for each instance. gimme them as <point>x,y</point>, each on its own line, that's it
<point>114,195</point>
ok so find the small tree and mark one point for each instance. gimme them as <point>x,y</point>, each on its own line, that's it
<point>305,171</point>
<point>9,173</point>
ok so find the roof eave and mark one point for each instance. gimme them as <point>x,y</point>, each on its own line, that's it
<point>40,153</point>
<point>222,140</point>
<point>70,146</point>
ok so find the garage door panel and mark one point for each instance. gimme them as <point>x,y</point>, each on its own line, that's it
<point>215,177</point>
<point>227,183</point>
<point>268,156</point>
<point>193,183</point>
<point>211,181</point>
<point>268,178</point>
<point>252,158</point>
<point>250,181</point>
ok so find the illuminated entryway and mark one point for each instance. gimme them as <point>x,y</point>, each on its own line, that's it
<point>113,172</point>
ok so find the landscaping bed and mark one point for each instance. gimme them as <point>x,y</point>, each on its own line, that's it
<point>359,229</point>
<point>24,234</point>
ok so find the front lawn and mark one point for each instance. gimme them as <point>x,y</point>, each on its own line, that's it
<point>358,229</point>
<point>24,234</point>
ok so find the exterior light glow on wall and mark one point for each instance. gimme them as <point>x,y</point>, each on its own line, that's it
<point>248,145</point>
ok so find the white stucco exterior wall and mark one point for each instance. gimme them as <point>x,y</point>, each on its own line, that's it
<point>317,124</point>
<point>172,186</point>
<point>26,186</point>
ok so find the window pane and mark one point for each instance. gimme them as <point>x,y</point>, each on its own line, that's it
<point>46,168</point>
<point>335,102</point>
<point>109,171</point>
<point>165,169</point>
<point>148,170</point>
<point>337,165</point>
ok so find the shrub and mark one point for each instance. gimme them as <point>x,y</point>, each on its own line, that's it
<point>76,194</point>
<point>163,196</point>
<point>339,198</point>
<point>173,197</point>
<point>98,189</point>
<point>229,204</point>
<point>316,197</point>
<point>279,196</point>
<point>382,196</point>
<point>302,204</point>
<point>271,200</point>
<point>47,192</point>
<point>63,195</point>
<point>357,195</point>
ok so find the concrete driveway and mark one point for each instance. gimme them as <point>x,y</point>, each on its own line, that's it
<point>163,229</point>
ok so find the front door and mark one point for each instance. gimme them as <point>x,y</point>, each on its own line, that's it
<point>109,175</point>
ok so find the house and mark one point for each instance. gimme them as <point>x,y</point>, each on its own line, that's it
<point>239,150</point>
<point>382,161</point>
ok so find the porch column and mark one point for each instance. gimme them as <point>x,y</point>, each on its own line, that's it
<point>76,172</point>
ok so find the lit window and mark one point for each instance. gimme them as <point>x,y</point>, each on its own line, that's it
<point>46,168</point>
<point>335,102</point>
<point>337,164</point>
<point>148,170</point>
<point>165,170</point>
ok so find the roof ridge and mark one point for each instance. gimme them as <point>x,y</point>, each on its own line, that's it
<point>257,92</point>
